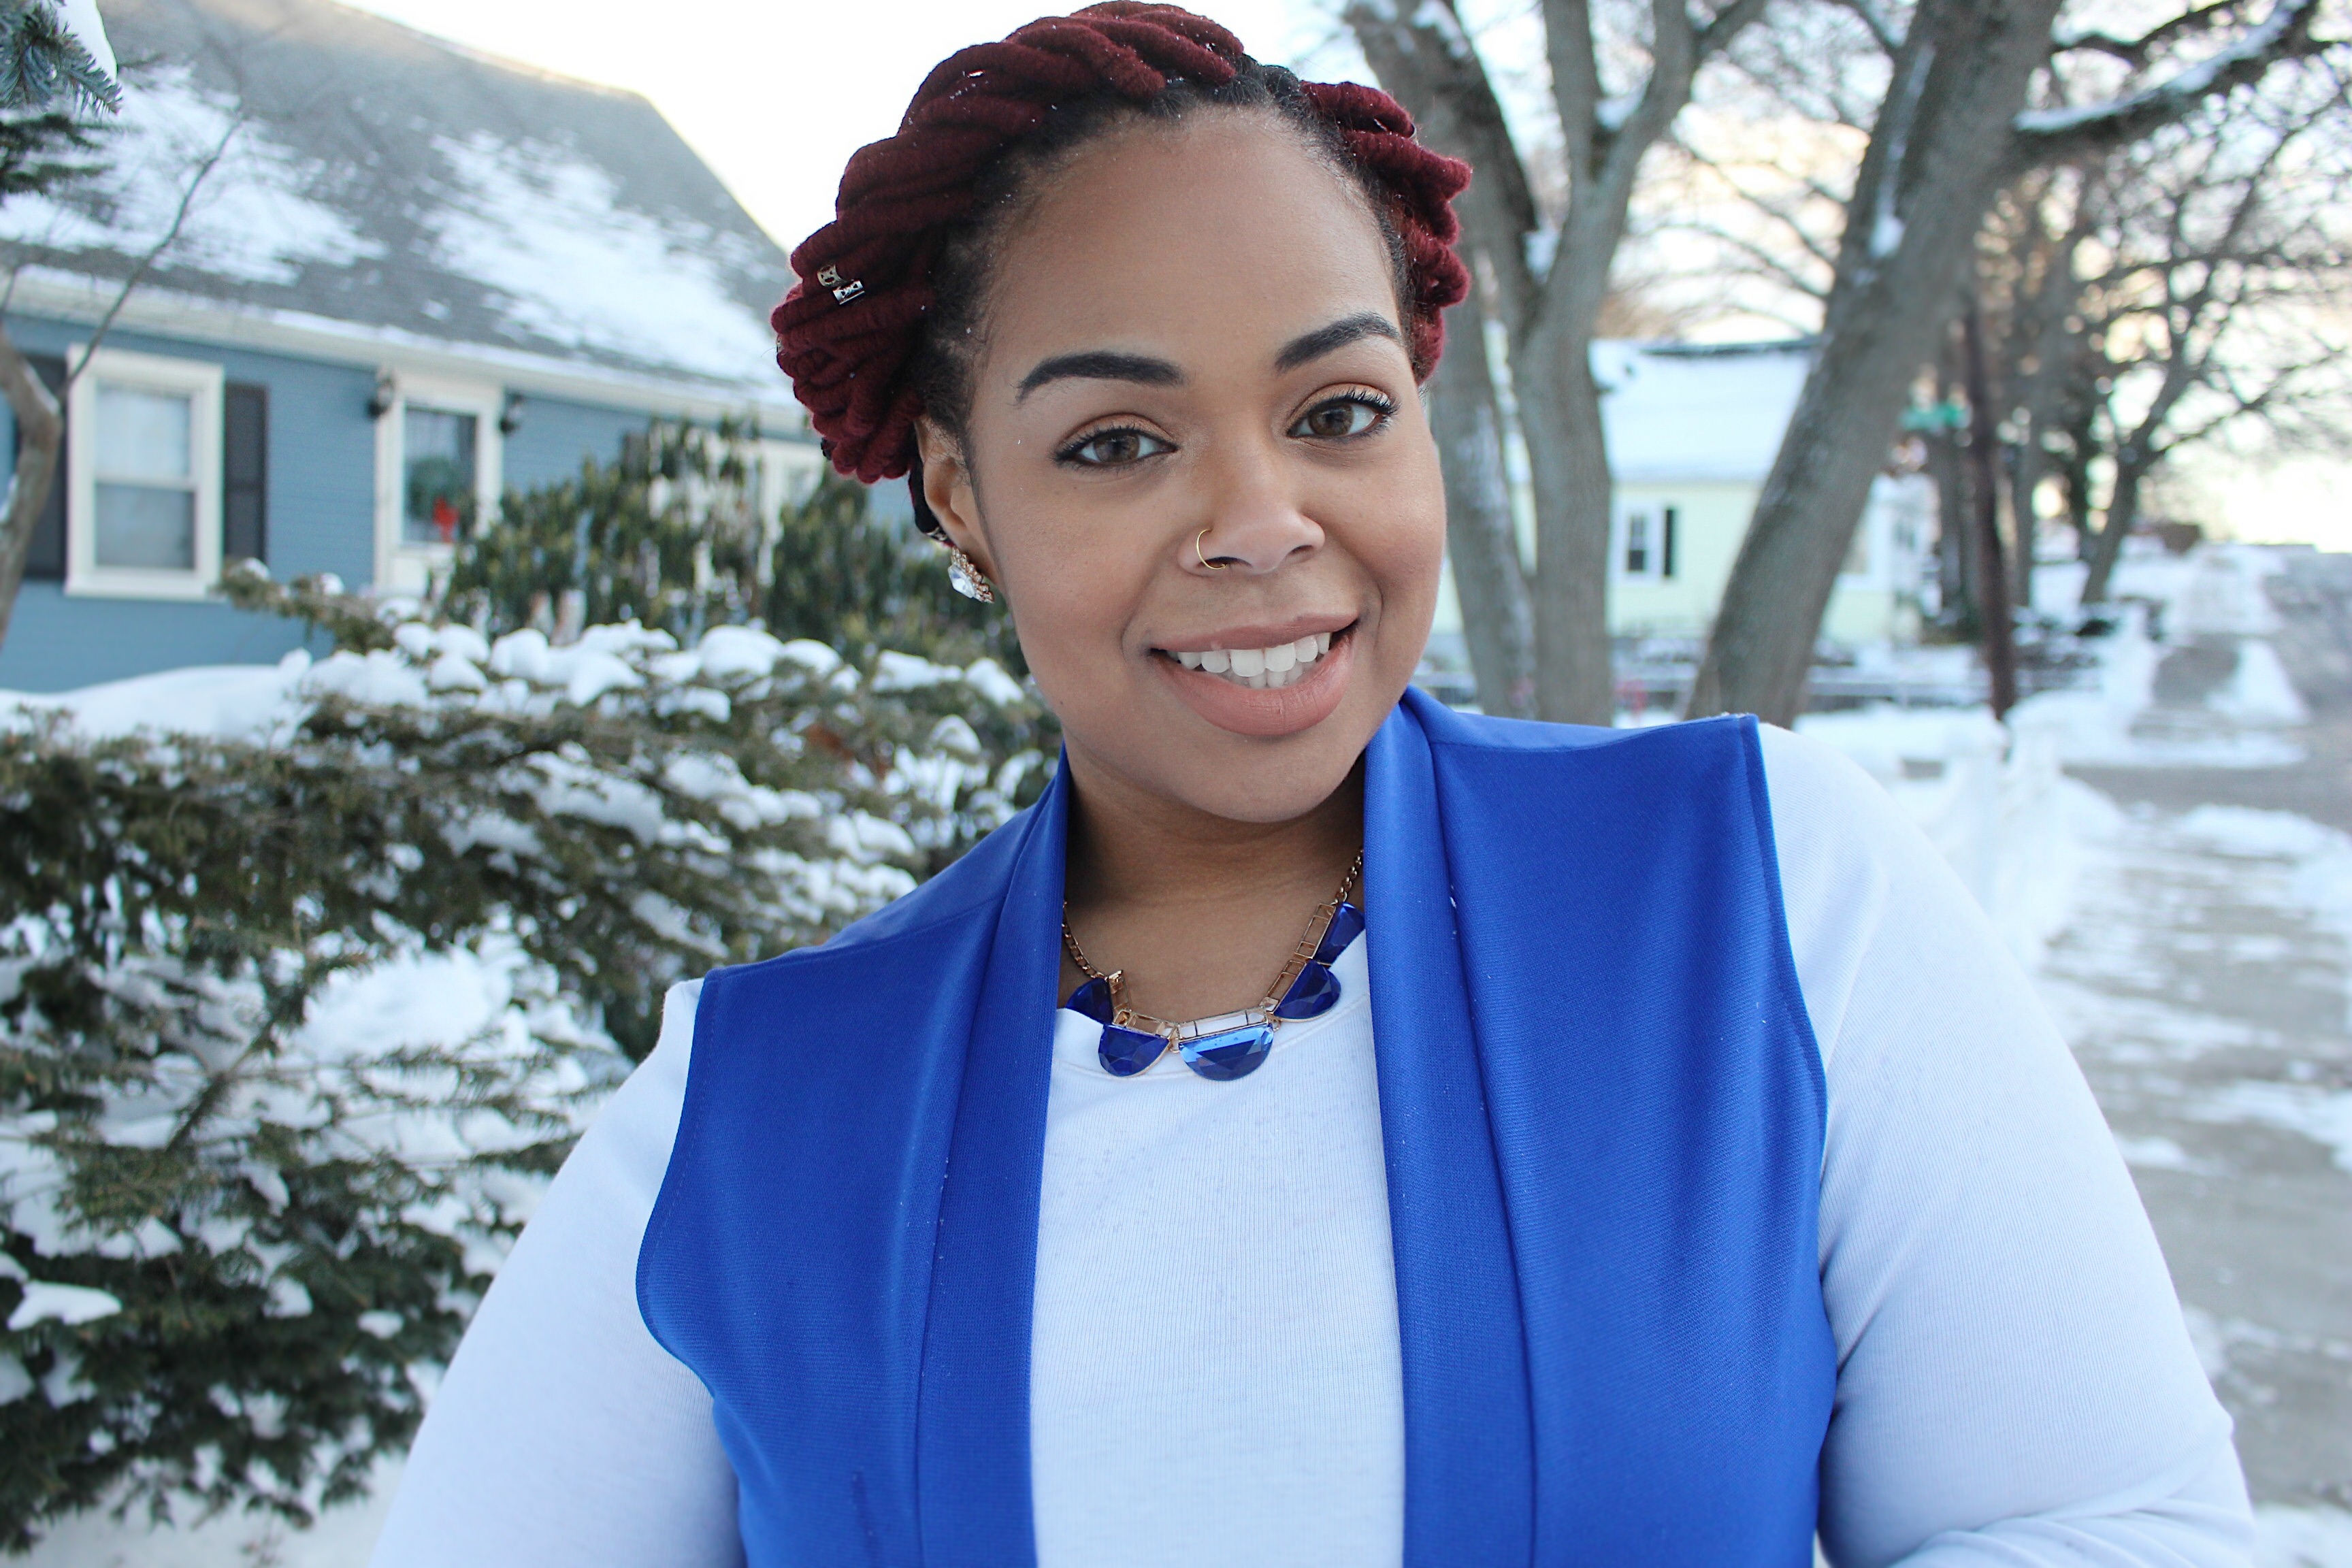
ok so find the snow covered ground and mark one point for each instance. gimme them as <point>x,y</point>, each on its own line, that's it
<point>2160,940</point>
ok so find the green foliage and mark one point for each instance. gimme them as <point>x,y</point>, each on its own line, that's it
<point>669,534</point>
<point>42,63</point>
<point>43,152</point>
<point>839,576</point>
<point>296,1017</point>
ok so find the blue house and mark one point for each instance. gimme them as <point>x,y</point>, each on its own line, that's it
<point>404,278</point>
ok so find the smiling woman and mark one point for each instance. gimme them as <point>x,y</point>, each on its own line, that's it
<point>1457,1141</point>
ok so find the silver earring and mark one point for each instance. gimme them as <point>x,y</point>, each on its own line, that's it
<point>965,578</point>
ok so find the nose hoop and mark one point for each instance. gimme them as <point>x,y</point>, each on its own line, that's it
<point>1205,561</point>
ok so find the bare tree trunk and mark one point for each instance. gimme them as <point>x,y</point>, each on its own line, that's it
<point>1424,56</point>
<point>1942,146</point>
<point>1947,136</point>
<point>1993,574</point>
<point>40,436</point>
<point>1574,495</point>
<point>2106,546</point>
<point>1497,618</point>
<point>2023,474</point>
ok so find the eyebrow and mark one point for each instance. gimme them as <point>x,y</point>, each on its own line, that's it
<point>1102,364</point>
<point>1322,340</point>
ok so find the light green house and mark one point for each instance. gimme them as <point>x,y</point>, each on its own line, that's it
<point>1693,430</point>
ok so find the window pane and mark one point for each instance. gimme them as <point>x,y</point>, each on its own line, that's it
<point>141,434</point>
<point>141,526</point>
<point>438,475</point>
<point>1637,543</point>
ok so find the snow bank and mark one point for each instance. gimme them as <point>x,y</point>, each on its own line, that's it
<point>2259,691</point>
<point>1995,804</point>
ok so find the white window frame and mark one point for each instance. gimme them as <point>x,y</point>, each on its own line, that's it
<point>402,566</point>
<point>200,384</point>
<point>1621,540</point>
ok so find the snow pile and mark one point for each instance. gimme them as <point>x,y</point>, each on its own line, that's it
<point>2291,1537</point>
<point>2259,691</point>
<point>2214,591</point>
<point>1995,804</point>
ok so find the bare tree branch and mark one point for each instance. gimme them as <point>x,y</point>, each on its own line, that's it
<point>2059,135</point>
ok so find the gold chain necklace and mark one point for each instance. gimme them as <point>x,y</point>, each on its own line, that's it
<point>1228,1044</point>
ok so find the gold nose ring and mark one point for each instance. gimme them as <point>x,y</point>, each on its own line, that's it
<point>1212,565</point>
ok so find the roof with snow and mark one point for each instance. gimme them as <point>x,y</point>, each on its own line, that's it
<point>371,174</point>
<point>1687,412</point>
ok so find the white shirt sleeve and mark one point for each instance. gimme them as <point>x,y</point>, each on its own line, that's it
<point>564,1431</point>
<point>2015,1382</point>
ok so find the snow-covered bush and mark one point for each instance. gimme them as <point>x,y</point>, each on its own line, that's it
<point>670,532</point>
<point>298,1009</point>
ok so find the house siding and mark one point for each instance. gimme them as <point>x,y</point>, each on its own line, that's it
<point>554,436</point>
<point>321,490</point>
<point>322,518</point>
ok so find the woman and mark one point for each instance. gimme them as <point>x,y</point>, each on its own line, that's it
<point>1675,1164</point>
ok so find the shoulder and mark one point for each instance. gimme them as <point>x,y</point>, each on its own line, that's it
<point>1470,732</point>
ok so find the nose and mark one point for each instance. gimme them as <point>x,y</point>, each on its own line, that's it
<point>1256,522</point>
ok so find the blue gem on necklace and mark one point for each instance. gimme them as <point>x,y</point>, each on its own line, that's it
<point>1228,1054</point>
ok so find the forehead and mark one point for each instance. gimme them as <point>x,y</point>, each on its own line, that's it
<point>1215,236</point>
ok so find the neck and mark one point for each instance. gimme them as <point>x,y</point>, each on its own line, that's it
<point>1130,845</point>
<point>1199,910</point>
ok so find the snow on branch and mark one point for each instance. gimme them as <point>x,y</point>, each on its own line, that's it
<point>2047,135</point>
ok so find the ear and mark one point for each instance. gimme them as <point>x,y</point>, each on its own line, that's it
<point>949,491</point>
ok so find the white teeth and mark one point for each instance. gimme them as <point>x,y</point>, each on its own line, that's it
<point>1260,669</point>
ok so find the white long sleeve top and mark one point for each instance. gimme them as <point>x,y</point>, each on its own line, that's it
<point>1215,1373</point>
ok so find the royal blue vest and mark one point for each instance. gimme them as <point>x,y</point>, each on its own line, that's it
<point>1601,1106</point>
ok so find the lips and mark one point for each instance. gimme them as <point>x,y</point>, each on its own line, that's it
<point>1277,687</point>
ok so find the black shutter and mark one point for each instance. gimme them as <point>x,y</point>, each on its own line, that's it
<point>1666,542</point>
<point>46,561</point>
<point>245,472</point>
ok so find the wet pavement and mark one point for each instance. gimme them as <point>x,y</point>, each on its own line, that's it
<point>2205,977</point>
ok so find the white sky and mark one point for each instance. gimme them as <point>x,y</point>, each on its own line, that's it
<point>776,94</point>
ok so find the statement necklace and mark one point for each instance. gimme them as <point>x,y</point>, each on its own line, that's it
<point>1231,1045</point>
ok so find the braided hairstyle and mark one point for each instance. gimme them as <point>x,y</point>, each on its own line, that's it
<point>877,331</point>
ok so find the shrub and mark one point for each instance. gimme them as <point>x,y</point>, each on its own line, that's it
<point>297,1013</point>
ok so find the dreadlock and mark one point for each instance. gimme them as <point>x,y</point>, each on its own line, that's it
<point>875,332</point>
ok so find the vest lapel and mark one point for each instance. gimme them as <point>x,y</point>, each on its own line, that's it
<point>972,1441</point>
<point>1469,1464</point>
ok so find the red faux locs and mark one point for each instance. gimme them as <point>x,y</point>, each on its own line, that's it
<point>848,332</point>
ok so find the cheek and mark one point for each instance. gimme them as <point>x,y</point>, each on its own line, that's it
<point>1072,583</point>
<point>1396,530</point>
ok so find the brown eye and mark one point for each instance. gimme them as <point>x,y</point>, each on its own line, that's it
<point>1340,418</point>
<point>1114,448</point>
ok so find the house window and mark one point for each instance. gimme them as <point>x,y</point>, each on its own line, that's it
<point>440,458</point>
<point>145,515</point>
<point>143,479</point>
<point>1648,542</point>
<point>438,478</point>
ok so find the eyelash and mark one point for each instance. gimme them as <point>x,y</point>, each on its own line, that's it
<point>1382,407</point>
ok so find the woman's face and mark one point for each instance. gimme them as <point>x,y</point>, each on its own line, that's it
<point>1195,329</point>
